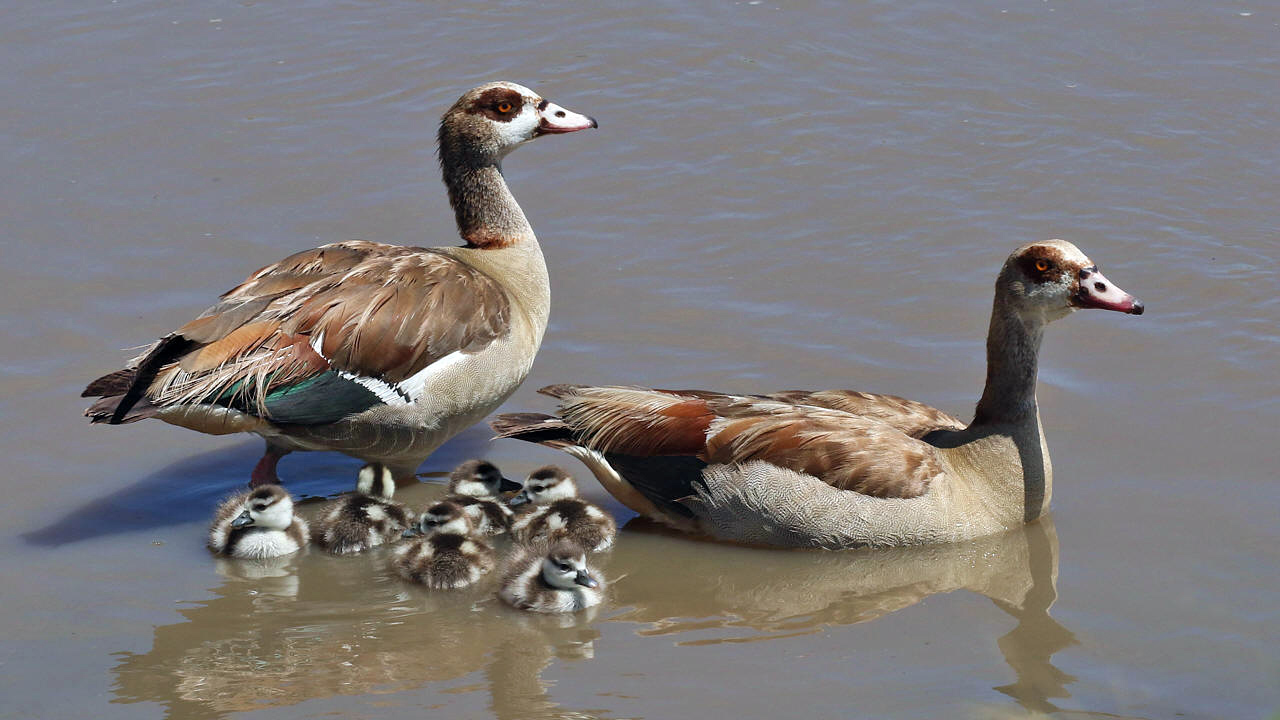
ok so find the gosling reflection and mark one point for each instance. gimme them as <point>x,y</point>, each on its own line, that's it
<point>284,631</point>
<point>734,594</point>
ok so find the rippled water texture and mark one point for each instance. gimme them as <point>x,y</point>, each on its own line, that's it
<point>780,195</point>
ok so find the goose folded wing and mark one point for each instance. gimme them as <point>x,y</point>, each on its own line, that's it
<point>913,418</point>
<point>330,332</point>
<point>846,451</point>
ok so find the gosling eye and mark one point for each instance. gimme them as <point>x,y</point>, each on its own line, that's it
<point>259,508</point>
<point>564,567</point>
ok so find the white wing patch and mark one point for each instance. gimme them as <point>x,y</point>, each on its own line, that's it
<point>413,386</point>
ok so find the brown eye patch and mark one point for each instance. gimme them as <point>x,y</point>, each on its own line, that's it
<point>1041,264</point>
<point>500,104</point>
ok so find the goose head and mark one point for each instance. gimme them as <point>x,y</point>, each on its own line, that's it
<point>268,507</point>
<point>1050,279</point>
<point>565,566</point>
<point>546,485</point>
<point>480,478</point>
<point>375,479</point>
<point>490,121</point>
<point>445,516</point>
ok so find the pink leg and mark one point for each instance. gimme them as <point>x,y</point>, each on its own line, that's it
<point>264,473</point>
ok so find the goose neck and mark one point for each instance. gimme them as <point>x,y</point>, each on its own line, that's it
<point>487,213</point>
<point>1013,349</point>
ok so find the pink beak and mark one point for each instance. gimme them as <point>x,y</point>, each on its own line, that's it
<point>1096,291</point>
<point>555,119</point>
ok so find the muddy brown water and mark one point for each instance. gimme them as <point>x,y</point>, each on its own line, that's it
<point>780,195</point>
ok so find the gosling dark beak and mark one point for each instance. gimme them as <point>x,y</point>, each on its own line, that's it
<point>585,580</point>
<point>518,500</point>
<point>411,532</point>
<point>242,520</point>
<point>506,485</point>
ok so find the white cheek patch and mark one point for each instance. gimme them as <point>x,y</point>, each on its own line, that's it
<point>519,128</point>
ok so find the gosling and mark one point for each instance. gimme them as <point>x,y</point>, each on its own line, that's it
<point>557,512</point>
<point>476,485</point>
<point>366,519</point>
<point>450,556</point>
<point>555,580</point>
<point>257,524</point>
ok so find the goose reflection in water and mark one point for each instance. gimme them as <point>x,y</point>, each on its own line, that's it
<point>291,630</point>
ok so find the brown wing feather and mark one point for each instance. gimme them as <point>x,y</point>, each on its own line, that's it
<point>865,455</point>
<point>383,311</point>
<point>911,417</point>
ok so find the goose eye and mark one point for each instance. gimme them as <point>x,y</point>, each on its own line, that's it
<point>1043,265</point>
<point>505,107</point>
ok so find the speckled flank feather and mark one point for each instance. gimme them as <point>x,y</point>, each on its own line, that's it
<point>444,561</point>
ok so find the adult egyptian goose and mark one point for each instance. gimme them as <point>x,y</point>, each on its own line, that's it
<point>379,351</point>
<point>840,468</point>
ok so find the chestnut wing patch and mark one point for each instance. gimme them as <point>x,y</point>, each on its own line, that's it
<point>913,418</point>
<point>862,454</point>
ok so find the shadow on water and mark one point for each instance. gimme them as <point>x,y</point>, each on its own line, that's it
<point>188,490</point>
<point>279,634</point>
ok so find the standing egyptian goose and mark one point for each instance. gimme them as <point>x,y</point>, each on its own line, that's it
<point>840,468</point>
<point>551,510</point>
<point>379,351</point>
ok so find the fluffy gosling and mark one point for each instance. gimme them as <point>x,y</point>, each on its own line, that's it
<point>366,519</point>
<point>557,512</point>
<point>555,580</point>
<point>476,485</point>
<point>449,556</point>
<point>257,524</point>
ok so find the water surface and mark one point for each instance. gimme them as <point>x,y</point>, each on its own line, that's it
<point>780,195</point>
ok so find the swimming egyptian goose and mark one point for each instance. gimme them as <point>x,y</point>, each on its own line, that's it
<point>552,510</point>
<point>476,485</point>
<point>551,580</point>
<point>450,556</point>
<point>379,351</point>
<point>840,468</point>
<point>365,519</point>
<point>257,524</point>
